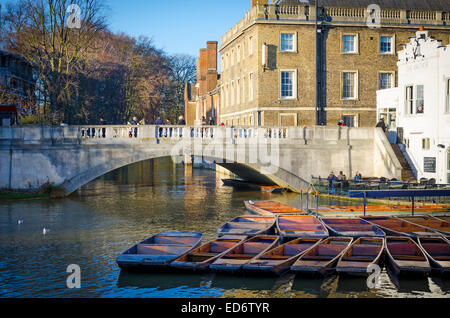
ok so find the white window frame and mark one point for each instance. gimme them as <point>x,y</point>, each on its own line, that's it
<point>355,43</point>
<point>392,79</point>
<point>250,46</point>
<point>355,85</point>
<point>392,44</point>
<point>426,143</point>
<point>232,93</point>
<point>413,102</point>
<point>294,84</point>
<point>238,91</point>
<point>294,42</point>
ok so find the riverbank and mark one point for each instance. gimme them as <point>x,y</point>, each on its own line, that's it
<point>50,192</point>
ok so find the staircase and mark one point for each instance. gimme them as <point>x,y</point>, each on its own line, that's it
<point>407,173</point>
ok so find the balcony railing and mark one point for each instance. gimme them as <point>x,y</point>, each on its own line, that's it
<point>306,12</point>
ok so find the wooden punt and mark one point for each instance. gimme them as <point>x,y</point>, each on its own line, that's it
<point>381,208</point>
<point>271,208</point>
<point>248,226</point>
<point>397,227</point>
<point>437,249</point>
<point>405,257</point>
<point>244,252</point>
<point>279,259</point>
<point>322,258</point>
<point>428,222</point>
<point>301,226</point>
<point>445,218</point>
<point>364,252</point>
<point>352,227</point>
<point>158,250</point>
<point>200,258</point>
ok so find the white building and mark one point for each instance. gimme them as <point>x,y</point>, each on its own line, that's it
<point>419,108</point>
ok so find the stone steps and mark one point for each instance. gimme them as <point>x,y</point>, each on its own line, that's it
<point>407,173</point>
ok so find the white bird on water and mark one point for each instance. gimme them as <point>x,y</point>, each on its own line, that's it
<point>45,231</point>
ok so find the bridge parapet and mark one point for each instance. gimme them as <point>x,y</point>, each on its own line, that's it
<point>157,134</point>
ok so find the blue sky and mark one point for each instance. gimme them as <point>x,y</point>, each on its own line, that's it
<point>177,26</point>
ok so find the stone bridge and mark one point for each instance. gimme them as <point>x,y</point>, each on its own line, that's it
<point>69,157</point>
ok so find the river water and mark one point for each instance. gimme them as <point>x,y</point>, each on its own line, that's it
<point>93,226</point>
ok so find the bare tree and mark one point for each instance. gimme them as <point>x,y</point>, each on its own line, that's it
<point>38,31</point>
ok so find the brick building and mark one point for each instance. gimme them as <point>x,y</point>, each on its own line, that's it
<point>292,63</point>
<point>17,86</point>
<point>201,99</point>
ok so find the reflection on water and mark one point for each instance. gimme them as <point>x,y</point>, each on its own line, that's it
<point>105,217</point>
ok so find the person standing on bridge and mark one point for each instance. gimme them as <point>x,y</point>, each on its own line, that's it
<point>102,122</point>
<point>181,121</point>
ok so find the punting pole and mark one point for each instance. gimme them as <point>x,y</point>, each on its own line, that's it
<point>307,200</point>
<point>317,203</point>
<point>365,197</point>
<point>412,198</point>
<point>301,198</point>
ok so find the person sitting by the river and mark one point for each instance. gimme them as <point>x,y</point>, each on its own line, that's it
<point>381,124</point>
<point>358,176</point>
<point>341,176</point>
<point>331,178</point>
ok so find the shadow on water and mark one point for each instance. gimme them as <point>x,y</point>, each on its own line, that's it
<point>162,281</point>
<point>234,282</point>
<point>418,284</point>
<point>309,286</point>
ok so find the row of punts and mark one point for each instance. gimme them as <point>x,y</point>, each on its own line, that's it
<point>266,254</point>
<point>285,239</point>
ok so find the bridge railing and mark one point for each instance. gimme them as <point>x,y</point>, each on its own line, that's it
<point>175,132</point>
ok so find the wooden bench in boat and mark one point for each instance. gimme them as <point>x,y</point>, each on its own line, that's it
<point>317,257</point>
<point>244,256</point>
<point>409,258</point>
<point>358,258</point>
<point>203,254</point>
<point>365,250</point>
<point>437,249</point>
<point>275,257</point>
<point>221,247</point>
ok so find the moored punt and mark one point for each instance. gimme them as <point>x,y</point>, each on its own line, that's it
<point>406,257</point>
<point>352,227</point>
<point>248,226</point>
<point>381,208</point>
<point>158,250</point>
<point>279,259</point>
<point>445,218</point>
<point>398,227</point>
<point>437,250</point>
<point>271,208</point>
<point>428,222</point>
<point>322,258</point>
<point>200,258</point>
<point>364,252</point>
<point>244,252</point>
<point>301,226</point>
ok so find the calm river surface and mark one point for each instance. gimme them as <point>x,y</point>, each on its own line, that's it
<point>92,227</point>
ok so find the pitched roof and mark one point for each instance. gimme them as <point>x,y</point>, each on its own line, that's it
<point>434,5</point>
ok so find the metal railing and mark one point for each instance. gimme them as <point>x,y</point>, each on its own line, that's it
<point>337,187</point>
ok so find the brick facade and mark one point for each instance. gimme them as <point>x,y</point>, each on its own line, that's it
<point>250,92</point>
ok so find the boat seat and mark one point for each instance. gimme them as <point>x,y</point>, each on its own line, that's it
<point>442,258</point>
<point>402,249</point>
<point>246,256</point>
<point>203,254</point>
<point>409,258</point>
<point>275,257</point>
<point>316,258</point>
<point>358,258</point>
<point>330,250</point>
